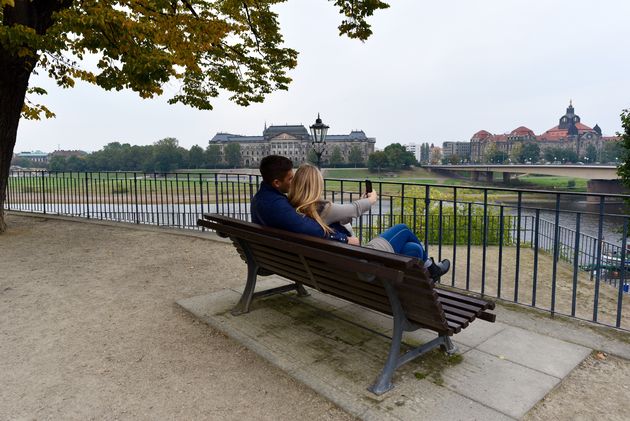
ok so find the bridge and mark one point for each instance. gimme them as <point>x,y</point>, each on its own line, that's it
<point>602,178</point>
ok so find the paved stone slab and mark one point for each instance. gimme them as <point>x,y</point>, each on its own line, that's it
<point>338,349</point>
<point>433,403</point>
<point>478,332</point>
<point>549,355</point>
<point>498,383</point>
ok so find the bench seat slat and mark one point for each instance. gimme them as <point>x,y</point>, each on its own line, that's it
<point>417,291</point>
<point>358,286</point>
<point>278,253</point>
<point>461,320</point>
<point>460,305</point>
<point>486,305</point>
<point>455,327</point>
<point>264,256</point>
<point>288,273</point>
<point>380,303</point>
<point>469,315</point>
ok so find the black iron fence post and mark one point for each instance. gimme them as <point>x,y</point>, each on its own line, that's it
<point>622,273</point>
<point>43,192</point>
<point>135,197</point>
<point>556,254</point>
<point>600,228</point>
<point>485,241</point>
<point>87,195</point>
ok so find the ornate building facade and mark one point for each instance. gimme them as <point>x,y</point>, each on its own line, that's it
<point>570,133</point>
<point>294,142</point>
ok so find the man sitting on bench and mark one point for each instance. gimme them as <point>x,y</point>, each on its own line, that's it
<point>271,207</point>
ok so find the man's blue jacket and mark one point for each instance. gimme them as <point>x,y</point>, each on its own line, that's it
<point>271,208</point>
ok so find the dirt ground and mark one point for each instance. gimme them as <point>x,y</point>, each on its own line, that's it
<point>89,329</point>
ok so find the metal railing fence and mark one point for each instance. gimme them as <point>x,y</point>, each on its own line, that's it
<point>564,252</point>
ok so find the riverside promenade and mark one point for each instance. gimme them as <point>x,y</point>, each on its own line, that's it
<point>94,326</point>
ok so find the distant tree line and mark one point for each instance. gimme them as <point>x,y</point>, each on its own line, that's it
<point>163,156</point>
<point>394,157</point>
<point>336,158</point>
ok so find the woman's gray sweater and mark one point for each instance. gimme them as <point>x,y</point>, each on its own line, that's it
<point>335,212</point>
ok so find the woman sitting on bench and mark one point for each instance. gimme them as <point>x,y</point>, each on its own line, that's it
<point>305,195</point>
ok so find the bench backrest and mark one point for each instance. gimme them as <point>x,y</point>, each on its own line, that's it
<point>352,273</point>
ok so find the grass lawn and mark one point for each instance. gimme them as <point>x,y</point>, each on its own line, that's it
<point>549,182</point>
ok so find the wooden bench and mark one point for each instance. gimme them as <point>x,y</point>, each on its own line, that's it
<point>389,283</point>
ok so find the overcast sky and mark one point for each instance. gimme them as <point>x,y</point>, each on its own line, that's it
<point>433,71</point>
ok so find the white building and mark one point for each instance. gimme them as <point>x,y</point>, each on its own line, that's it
<point>414,148</point>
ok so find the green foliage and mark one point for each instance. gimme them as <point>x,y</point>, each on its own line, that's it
<point>516,152</point>
<point>452,216</point>
<point>355,157</point>
<point>425,153</point>
<point>525,152</point>
<point>335,157</point>
<point>196,158</point>
<point>213,155</point>
<point>377,161</point>
<point>624,169</point>
<point>208,46</point>
<point>612,152</point>
<point>22,162</point>
<point>163,156</point>
<point>529,153</point>
<point>494,156</point>
<point>354,24</point>
<point>311,157</point>
<point>398,157</point>
<point>591,154</point>
<point>233,154</point>
<point>560,154</point>
<point>167,155</point>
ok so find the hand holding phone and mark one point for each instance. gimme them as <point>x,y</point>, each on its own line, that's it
<point>369,193</point>
<point>368,186</point>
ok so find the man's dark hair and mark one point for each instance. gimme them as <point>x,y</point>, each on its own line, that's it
<point>275,167</point>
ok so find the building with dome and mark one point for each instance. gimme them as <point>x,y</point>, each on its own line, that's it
<point>294,142</point>
<point>570,133</point>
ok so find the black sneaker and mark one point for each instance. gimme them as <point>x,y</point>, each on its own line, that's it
<point>436,270</point>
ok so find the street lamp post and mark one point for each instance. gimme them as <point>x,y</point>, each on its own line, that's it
<point>319,131</point>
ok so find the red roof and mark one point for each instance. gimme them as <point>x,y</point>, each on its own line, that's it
<point>522,131</point>
<point>555,133</point>
<point>481,134</point>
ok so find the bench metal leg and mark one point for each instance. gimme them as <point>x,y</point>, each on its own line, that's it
<point>448,346</point>
<point>301,291</point>
<point>248,293</point>
<point>383,382</point>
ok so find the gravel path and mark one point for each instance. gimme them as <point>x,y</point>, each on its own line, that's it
<point>90,330</point>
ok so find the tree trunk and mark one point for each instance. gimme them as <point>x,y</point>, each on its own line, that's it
<point>14,77</point>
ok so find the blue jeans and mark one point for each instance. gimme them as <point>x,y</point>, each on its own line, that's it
<point>404,241</point>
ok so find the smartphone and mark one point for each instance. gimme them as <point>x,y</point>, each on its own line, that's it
<point>368,186</point>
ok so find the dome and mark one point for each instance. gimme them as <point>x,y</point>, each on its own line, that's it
<point>481,135</point>
<point>522,131</point>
